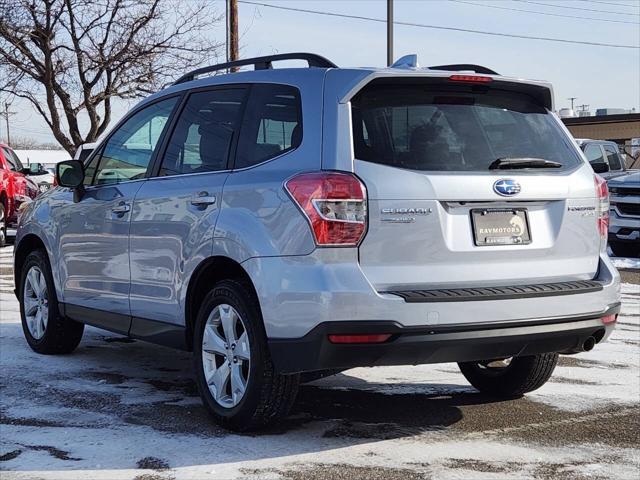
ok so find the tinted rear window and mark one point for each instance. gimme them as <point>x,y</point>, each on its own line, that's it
<point>461,128</point>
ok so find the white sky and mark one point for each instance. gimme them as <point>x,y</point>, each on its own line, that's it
<point>598,76</point>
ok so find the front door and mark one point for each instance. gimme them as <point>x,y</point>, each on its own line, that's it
<point>175,213</point>
<point>93,233</point>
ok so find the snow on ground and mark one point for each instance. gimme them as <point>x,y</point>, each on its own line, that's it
<point>42,156</point>
<point>626,262</point>
<point>118,409</point>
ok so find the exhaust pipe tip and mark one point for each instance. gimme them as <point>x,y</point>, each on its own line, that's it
<point>588,344</point>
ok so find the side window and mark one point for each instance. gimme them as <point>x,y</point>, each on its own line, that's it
<point>613,157</point>
<point>90,168</point>
<point>127,154</point>
<point>13,160</point>
<point>272,124</point>
<point>203,134</point>
<point>593,153</point>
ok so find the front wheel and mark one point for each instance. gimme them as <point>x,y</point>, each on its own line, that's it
<point>512,377</point>
<point>234,372</point>
<point>44,328</point>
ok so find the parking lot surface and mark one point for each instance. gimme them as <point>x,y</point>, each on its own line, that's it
<point>123,409</point>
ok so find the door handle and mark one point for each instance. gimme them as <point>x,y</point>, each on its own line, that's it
<point>121,208</point>
<point>202,199</point>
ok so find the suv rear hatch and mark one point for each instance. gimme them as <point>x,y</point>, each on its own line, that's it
<point>471,181</point>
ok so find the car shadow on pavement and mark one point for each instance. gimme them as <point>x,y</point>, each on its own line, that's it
<point>110,384</point>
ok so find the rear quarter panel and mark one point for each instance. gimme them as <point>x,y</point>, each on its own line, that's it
<point>258,218</point>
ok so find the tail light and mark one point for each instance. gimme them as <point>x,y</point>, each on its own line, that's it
<point>335,205</point>
<point>602,209</point>
<point>609,319</point>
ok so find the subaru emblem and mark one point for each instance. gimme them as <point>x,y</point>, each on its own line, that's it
<point>506,187</point>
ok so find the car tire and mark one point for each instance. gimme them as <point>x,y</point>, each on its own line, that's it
<point>3,225</point>
<point>625,249</point>
<point>46,331</point>
<point>246,394</point>
<point>521,375</point>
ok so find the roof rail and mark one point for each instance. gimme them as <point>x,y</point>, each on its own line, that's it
<point>456,67</point>
<point>260,63</point>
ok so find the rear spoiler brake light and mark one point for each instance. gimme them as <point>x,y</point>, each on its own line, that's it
<point>470,78</point>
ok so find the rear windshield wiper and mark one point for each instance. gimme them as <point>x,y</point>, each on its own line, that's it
<point>507,163</point>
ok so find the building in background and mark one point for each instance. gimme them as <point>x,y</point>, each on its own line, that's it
<point>624,129</point>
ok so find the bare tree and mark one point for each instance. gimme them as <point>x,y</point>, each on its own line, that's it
<point>30,143</point>
<point>71,58</point>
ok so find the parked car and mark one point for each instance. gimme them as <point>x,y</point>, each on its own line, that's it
<point>43,176</point>
<point>15,189</point>
<point>310,220</point>
<point>624,228</point>
<point>604,157</point>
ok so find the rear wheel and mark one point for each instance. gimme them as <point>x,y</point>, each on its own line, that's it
<point>44,328</point>
<point>625,249</point>
<point>3,225</point>
<point>234,373</point>
<point>512,377</point>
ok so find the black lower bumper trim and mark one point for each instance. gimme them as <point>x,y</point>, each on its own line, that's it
<point>498,293</point>
<point>420,345</point>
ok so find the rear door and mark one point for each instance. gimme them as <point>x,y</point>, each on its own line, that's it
<point>440,211</point>
<point>175,212</point>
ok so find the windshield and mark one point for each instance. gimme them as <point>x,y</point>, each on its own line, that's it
<point>457,129</point>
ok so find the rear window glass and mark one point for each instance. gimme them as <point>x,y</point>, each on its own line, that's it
<point>272,124</point>
<point>458,129</point>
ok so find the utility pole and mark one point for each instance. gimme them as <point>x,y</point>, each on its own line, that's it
<point>6,114</point>
<point>389,32</point>
<point>572,100</point>
<point>232,32</point>
<point>582,108</point>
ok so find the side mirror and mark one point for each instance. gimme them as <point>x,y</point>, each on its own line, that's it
<point>70,174</point>
<point>35,168</point>
<point>599,167</point>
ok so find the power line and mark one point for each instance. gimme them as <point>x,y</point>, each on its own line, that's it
<point>575,8</point>
<point>611,3</point>
<point>438,27</point>
<point>543,13</point>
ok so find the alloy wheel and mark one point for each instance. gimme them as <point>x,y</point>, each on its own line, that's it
<point>36,302</point>
<point>226,355</point>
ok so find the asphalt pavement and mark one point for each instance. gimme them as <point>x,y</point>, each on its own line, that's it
<point>124,409</point>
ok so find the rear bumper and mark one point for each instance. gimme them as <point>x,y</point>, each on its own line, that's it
<point>299,293</point>
<point>623,228</point>
<point>451,343</point>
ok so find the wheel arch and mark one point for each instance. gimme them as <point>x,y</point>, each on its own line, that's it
<point>209,272</point>
<point>28,244</point>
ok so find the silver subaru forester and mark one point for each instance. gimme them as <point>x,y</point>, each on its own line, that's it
<point>288,223</point>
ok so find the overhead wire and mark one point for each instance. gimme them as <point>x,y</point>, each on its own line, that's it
<point>582,9</point>
<point>439,27</point>
<point>549,14</point>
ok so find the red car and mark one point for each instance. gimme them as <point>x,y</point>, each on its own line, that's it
<point>15,189</point>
